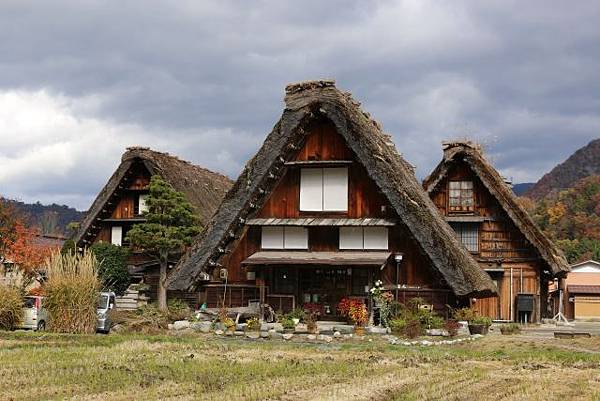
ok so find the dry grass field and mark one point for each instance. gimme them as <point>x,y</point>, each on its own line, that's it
<point>193,367</point>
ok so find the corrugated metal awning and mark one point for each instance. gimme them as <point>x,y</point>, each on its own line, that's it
<point>583,289</point>
<point>316,221</point>
<point>318,258</point>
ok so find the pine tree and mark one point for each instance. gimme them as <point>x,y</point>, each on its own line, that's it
<point>169,228</point>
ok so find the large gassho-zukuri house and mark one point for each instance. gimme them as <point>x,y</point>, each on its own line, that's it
<point>122,202</point>
<point>326,207</point>
<point>494,227</point>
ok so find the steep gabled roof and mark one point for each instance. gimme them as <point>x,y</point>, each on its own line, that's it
<point>203,188</point>
<point>307,102</point>
<point>469,152</point>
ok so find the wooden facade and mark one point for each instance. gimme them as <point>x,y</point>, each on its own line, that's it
<point>286,285</point>
<point>502,250</point>
<point>119,206</point>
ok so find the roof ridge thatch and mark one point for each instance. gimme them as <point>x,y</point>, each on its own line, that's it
<point>203,188</point>
<point>305,102</point>
<point>497,186</point>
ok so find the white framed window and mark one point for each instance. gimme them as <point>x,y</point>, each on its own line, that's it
<point>368,238</point>
<point>142,205</point>
<point>461,197</point>
<point>284,238</point>
<point>324,189</point>
<point>116,235</point>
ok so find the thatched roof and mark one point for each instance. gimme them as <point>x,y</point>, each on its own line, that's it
<point>306,103</point>
<point>457,151</point>
<point>203,188</point>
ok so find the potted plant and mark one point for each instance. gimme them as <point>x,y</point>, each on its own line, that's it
<point>252,328</point>
<point>297,315</point>
<point>224,322</point>
<point>479,325</point>
<point>229,324</point>
<point>359,316</point>
<point>311,323</point>
<point>288,324</point>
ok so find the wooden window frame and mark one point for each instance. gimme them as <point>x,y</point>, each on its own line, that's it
<point>466,202</point>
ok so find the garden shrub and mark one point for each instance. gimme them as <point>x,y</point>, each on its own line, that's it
<point>178,310</point>
<point>72,291</point>
<point>11,307</point>
<point>112,268</point>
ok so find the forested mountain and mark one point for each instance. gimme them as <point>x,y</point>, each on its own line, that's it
<point>583,163</point>
<point>520,189</point>
<point>50,219</point>
<point>571,217</point>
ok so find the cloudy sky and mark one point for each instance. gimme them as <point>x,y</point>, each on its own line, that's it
<point>81,80</point>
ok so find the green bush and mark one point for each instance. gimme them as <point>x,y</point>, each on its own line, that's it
<point>113,266</point>
<point>178,310</point>
<point>11,307</point>
<point>72,291</point>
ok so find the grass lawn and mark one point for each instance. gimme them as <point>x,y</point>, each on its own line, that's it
<point>39,366</point>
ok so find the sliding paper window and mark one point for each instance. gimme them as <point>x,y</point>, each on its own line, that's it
<point>324,189</point>
<point>284,238</point>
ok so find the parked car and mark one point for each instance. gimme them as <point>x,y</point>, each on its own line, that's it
<point>106,302</point>
<point>35,316</point>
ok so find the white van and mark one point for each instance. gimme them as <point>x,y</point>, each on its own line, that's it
<point>106,302</point>
<point>35,316</point>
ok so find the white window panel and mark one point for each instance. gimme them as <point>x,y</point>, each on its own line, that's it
<point>295,238</point>
<point>376,238</point>
<point>142,205</point>
<point>335,189</point>
<point>272,238</point>
<point>311,189</point>
<point>351,238</point>
<point>116,235</point>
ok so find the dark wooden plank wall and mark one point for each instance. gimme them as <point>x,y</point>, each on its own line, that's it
<point>365,200</point>
<point>501,246</point>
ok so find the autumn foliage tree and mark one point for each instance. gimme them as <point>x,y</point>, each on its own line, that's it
<point>18,245</point>
<point>572,219</point>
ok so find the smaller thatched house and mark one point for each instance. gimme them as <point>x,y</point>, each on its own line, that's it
<point>324,209</point>
<point>493,226</point>
<point>121,203</point>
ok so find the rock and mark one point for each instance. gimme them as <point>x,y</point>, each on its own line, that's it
<point>344,328</point>
<point>229,333</point>
<point>170,326</point>
<point>264,334</point>
<point>426,343</point>
<point>240,327</point>
<point>301,329</point>
<point>275,335</point>
<point>377,330</point>
<point>238,333</point>
<point>255,335</point>
<point>203,327</point>
<point>181,324</point>
<point>278,327</point>
<point>328,339</point>
<point>287,336</point>
<point>311,337</point>
<point>477,336</point>
<point>219,332</point>
<point>347,336</point>
<point>117,328</point>
<point>323,337</point>
<point>437,332</point>
<point>337,334</point>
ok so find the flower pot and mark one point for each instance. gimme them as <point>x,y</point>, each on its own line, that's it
<point>296,321</point>
<point>289,331</point>
<point>359,330</point>
<point>478,329</point>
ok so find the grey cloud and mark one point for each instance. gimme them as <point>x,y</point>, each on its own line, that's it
<point>205,79</point>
